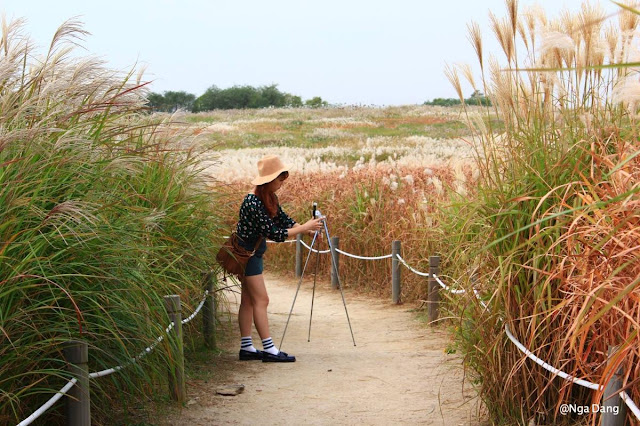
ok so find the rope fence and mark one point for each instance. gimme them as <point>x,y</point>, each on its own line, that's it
<point>434,284</point>
<point>79,412</point>
<point>314,250</point>
<point>49,403</point>
<point>150,349</point>
<point>433,301</point>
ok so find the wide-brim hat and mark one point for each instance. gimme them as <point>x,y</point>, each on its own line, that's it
<point>269,168</point>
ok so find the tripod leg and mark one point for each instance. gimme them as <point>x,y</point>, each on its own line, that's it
<point>298,289</point>
<point>335,268</point>
<point>313,293</point>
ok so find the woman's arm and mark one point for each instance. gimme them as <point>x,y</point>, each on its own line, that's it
<point>311,226</point>
<point>310,232</point>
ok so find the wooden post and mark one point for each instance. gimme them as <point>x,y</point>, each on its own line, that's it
<point>396,247</point>
<point>614,409</point>
<point>209,314</point>
<point>335,244</point>
<point>298,255</point>
<point>434,289</point>
<point>76,353</point>
<point>177,389</point>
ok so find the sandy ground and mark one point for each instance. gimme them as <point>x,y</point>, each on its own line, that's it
<point>398,373</point>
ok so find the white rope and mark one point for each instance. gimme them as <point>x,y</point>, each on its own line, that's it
<point>634,408</point>
<point>49,403</point>
<point>625,397</point>
<point>449,289</point>
<point>364,257</point>
<point>141,355</point>
<point>461,291</point>
<point>410,268</point>
<point>97,374</point>
<point>148,349</point>
<point>548,367</point>
<point>314,250</point>
<point>486,307</point>
<point>193,315</point>
<point>108,371</point>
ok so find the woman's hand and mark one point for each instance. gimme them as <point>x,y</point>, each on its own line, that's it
<point>310,227</point>
<point>313,225</point>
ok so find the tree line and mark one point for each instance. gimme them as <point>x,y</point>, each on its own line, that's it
<point>236,97</point>
<point>476,98</point>
<point>243,97</point>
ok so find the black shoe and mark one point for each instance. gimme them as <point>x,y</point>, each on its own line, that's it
<point>250,356</point>
<point>280,357</point>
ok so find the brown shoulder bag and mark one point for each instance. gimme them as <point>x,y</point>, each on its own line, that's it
<point>233,257</point>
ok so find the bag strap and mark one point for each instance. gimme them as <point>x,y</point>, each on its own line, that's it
<point>258,243</point>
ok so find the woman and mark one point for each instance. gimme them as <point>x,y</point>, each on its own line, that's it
<point>262,217</point>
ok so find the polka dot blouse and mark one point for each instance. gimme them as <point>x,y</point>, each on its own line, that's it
<point>254,221</point>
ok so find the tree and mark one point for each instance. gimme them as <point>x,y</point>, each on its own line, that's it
<point>478,98</point>
<point>292,101</point>
<point>179,100</point>
<point>171,101</point>
<point>155,101</point>
<point>240,97</point>
<point>443,102</point>
<point>316,102</point>
<point>271,96</point>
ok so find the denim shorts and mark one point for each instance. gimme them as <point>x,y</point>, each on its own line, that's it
<point>254,265</point>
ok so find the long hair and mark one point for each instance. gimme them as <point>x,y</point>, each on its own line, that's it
<point>269,198</point>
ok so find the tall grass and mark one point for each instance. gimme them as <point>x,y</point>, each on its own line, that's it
<point>554,227</point>
<point>100,216</point>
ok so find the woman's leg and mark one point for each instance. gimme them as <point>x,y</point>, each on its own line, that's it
<point>245,312</point>
<point>260,300</point>
<point>257,292</point>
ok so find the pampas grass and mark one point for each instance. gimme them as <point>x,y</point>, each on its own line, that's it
<point>551,238</point>
<point>100,217</point>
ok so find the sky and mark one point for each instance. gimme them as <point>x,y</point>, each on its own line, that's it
<point>352,52</point>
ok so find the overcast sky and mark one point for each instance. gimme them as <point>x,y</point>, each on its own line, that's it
<point>388,52</point>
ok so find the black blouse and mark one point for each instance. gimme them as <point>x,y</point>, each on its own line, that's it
<point>254,221</point>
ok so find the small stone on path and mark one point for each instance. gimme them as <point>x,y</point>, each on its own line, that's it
<point>230,390</point>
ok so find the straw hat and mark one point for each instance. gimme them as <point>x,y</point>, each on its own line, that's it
<point>269,168</point>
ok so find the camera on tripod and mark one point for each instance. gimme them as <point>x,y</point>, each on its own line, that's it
<point>315,214</point>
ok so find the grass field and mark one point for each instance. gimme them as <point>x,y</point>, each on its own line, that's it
<point>329,140</point>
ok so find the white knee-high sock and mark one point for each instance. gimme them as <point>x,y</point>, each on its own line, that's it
<point>246,343</point>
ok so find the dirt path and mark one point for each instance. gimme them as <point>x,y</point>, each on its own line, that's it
<point>398,373</point>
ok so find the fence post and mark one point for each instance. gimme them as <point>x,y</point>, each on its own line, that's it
<point>177,389</point>
<point>396,247</point>
<point>209,314</point>
<point>298,255</point>
<point>76,353</point>
<point>434,289</point>
<point>611,397</point>
<point>335,244</point>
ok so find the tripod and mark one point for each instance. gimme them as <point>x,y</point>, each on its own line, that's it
<point>316,213</point>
